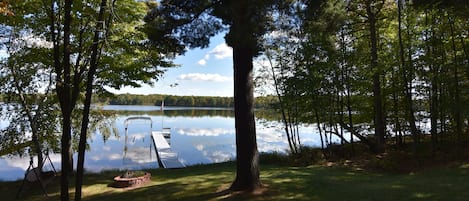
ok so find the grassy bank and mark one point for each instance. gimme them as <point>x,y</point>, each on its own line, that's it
<point>283,183</point>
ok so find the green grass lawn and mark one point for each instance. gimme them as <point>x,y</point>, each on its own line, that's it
<point>283,183</point>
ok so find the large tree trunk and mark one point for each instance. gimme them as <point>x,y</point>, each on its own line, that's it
<point>244,43</point>
<point>377,99</point>
<point>63,92</point>
<point>247,156</point>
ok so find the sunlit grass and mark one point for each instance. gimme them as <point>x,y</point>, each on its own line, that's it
<point>209,182</point>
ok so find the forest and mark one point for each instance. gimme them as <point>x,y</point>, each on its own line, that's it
<point>180,101</point>
<point>396,69</point>
<point>389,78</point>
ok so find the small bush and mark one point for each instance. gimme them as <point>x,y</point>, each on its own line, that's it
<point>307,156</point>
<point>393,161</point>
<point>274,158</point>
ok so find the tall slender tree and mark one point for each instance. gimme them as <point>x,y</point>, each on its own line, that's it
<point>67,99</point>
<point>373,8</point>
<point>96,47</point>
<point>407,76</point>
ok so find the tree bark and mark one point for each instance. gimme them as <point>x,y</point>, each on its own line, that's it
<point>247,155</point>
<point>456,91</point>
<point>87,104</point>
<point>407,75</point>
<point>377,98</point>
<point>243,39</point>
<point>318,123</point>
<point>63,92</point>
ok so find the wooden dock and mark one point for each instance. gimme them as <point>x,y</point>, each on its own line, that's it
<point>167,158</point>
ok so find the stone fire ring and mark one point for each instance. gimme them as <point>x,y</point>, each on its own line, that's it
<point>120,182</point>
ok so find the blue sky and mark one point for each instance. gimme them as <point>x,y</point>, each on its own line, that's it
<point>202,72</point>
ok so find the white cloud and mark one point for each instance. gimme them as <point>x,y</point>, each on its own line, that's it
<point>220,156</point>
<point>22,163</point>
<point>270,147</point>
<point>199,147</point>
<point>204,77</point>
<point>270,135</point>
<point>114,156</point>
<point>205,132</point>
<point>214,154</point>
<point>202,62</point>
<point>221,51</point>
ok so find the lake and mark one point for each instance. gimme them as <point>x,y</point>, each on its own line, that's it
<point>198,136</point>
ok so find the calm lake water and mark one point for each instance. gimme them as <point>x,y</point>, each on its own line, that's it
<point>198,135</point>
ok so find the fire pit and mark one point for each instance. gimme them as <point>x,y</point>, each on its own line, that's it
<point>131,179</point>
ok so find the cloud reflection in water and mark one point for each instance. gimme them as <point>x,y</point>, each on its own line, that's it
<point>196,140</point>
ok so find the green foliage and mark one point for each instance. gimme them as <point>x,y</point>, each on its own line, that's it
<point>29,69</point>
<point>324,73</point>
<point>391,162</point>
<point>275,158</point>
<point>191,26</point>
<point>129,59</point>
<point>25,80</point>
<point>126,57</point>
<point>305,157</point>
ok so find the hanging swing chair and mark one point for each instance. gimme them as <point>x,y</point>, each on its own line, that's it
<point>36,175</point>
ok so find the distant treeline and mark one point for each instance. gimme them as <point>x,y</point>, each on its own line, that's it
<point>181,101</point>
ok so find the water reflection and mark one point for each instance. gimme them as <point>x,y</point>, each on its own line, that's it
<point>198,136</point>
<point>204,131</point>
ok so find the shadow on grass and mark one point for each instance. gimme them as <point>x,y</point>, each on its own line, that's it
<point>283,183</point>
<point>177,191</point>
<point>323,183</point>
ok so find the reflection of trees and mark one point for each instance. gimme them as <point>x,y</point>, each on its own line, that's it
<point>101,121</point>
<point>268,115</point>
<point>264,114</point>
<point>183,112</point>
<point>199,113</point>
<point>14,139</point>
<point>179,101</point>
